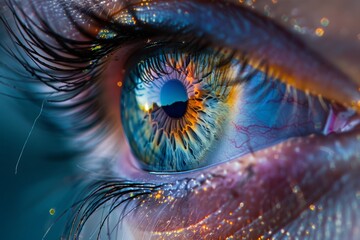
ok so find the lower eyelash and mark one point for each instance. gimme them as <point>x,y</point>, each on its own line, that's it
<point>108,195</point>
<point>105,197</point>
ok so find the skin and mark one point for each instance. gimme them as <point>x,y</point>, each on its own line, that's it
<point>40,184</point>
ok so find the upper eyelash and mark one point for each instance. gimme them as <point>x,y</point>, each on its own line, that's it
<point>29,40</point>
<point>55,69</point>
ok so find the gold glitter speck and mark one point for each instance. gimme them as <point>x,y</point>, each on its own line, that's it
<point>312,207</point>
<point>98,47</point>
<point>319,32</point>
<point>52,211</point>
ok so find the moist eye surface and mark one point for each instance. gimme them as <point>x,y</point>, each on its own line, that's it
<point>182,110</point>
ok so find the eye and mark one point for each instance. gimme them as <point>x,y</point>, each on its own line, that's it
<point>200,119</point>
<point>182,110</point>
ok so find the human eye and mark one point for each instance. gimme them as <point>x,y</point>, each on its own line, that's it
<point>199,120</point>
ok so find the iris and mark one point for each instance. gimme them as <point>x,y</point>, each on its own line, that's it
<point>177,109</point>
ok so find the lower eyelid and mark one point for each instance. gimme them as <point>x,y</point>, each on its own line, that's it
<point>269,184</point>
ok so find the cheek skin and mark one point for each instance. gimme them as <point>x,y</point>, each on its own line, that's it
<point>252,195</point>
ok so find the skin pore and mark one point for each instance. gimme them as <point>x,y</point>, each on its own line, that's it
<point>42,189</point>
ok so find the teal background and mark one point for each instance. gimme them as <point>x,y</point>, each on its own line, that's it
<point>45,174</point>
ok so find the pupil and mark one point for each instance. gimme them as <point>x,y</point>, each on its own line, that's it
<point>174,99</point>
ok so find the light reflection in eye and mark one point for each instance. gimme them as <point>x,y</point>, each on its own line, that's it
<point>247,197</point>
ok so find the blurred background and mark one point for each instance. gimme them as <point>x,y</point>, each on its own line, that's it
<point>33,198</point>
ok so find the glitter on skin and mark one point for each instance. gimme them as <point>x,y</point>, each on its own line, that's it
<point>232,212</point>
<point>325,22</point>
<point>319,32</point>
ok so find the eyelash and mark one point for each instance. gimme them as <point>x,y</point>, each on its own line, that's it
<point>83,55</point>
<point>53,71</point>
<point>86,55</point>
<point>115,191</point>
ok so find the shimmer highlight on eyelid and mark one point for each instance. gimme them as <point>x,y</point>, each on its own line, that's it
<point>287,58</point>
<point>284,56</point>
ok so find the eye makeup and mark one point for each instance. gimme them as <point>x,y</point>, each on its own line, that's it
<point>303,70</point>
<point>250,196</point>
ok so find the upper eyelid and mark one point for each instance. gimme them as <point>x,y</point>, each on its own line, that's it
<point>299,66</point>
<point>292,62</point>
<point>250,33</point>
